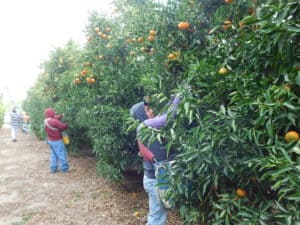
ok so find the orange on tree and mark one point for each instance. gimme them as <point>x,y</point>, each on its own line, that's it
<point>107,29</point>
<point>172,56</point>
<point>152,32</point>
<point>97,29</point>
<point>241,192</point>
<point>151,38</point>
<point>140,40</point>
<point>292,136</point>
<point>183,25</point>
<point>227,25</point>
<point>104,36</point>
<point>90,80</point>
<point>83,73</point>
<point>223,71</point>
<point>228,1</point>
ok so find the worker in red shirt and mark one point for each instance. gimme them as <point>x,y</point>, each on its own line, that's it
<point>53,128</point>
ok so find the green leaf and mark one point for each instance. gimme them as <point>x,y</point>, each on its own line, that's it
<point>298,80</point>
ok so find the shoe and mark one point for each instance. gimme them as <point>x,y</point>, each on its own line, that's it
<point>14,140</point>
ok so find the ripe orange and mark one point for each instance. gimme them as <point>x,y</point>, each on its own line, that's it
<point>151,38</point>
<point>152,32</point>
<point>228,1</point>
<point>223,71</point>
<point>97,29</point>
<point>292,136</point>
<point>140,40</point>
<point>104,36</point>
<point>83,73</point>
<point>92,80</point>
<point>241,192</point>
<point>227,25</point>
<point>171,56</point>
<point>107,29</point>
<point>183,25</point>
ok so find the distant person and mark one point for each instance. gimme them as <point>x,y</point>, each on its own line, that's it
<point>15,122</point>
<point>53,128</point>
<point>26,123</point>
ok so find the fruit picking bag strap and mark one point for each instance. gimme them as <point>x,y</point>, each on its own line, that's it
<point>145,152</point>
<point>49,126</point>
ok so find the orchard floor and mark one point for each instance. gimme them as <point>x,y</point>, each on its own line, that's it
<point>31,195</point>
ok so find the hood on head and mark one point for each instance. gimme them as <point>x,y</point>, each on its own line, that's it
<point>49,113</point>
<point>138,112</point>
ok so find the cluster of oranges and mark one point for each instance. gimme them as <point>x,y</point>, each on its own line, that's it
<point>152,34</point>
<point>103,34</point>
<point>83,73</point>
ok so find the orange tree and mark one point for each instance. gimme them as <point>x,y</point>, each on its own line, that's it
<point>118,55</point>
<point>240,98</point>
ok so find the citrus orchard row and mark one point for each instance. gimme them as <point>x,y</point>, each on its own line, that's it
<point>237,129</point>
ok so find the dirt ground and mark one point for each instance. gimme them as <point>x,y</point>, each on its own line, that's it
<point>31,195</point>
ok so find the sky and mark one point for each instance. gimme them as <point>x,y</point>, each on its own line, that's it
<point>30,30</point>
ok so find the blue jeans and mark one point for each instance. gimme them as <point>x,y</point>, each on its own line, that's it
<point>157,213</point>
<point>58,153</point>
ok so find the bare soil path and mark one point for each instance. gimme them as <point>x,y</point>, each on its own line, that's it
<point>31,195</point>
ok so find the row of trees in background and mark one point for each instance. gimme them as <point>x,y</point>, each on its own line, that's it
<point>236,65</point>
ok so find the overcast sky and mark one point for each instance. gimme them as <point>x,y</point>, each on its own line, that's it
<point>30,29</point>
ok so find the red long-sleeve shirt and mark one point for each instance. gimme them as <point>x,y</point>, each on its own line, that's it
<point>55,127</point>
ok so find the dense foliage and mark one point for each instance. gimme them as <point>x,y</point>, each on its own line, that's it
<point>235,64</point>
